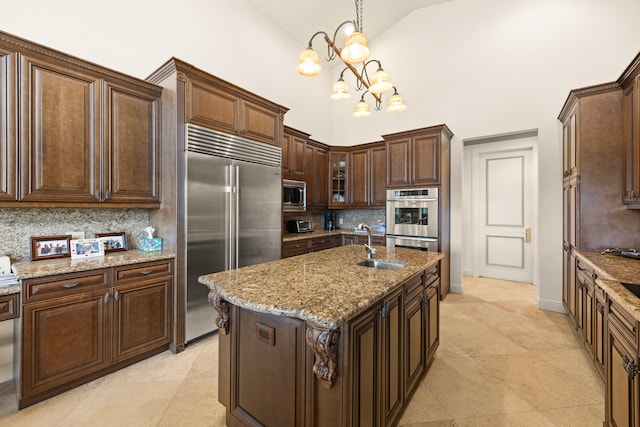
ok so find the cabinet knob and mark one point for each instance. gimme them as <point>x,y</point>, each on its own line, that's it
<point>106,298</point>
<point>71,285</point>
<point>117,296</point>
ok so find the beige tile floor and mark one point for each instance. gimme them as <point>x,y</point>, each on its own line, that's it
<point>501,362</point>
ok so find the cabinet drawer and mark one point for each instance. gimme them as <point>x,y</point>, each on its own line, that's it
<point>64,285</point>
<point>431,275</point>
<point>413,288</point>
<point>320,243</point>
<point>626,323</point>
<point>9,307</point>
<point>147,270</point>
<point>295,247</point>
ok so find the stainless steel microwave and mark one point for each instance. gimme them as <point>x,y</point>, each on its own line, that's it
<point>294,196</point>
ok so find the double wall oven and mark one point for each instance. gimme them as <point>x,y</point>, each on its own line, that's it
<point>412,218</point>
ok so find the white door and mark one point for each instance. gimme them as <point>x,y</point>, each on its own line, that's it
<point>504,213</point>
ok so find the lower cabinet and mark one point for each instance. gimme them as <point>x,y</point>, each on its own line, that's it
<point>622,396</point>
<point>79,326</point>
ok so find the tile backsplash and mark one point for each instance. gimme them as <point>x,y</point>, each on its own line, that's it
<point>350,218</point>
<point>19,224</point>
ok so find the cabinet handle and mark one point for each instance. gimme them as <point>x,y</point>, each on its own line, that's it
<point>145,272</point>
<point>600,307</point>
<point>384,311</point>
<point>630,367</point>
<point>71,285</point>
<point>580,268</point>
<point>107,195</point>
<point>106,298</point>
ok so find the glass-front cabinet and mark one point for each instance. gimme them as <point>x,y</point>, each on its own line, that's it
<point>338,180</point>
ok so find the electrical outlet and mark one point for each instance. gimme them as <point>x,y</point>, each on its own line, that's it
<point>340,221</point>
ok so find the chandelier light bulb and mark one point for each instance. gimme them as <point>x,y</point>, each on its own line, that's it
<point>355,49</point>
<point>340,90</point>
<point>380,82</point>
<point>308,64</point>
<point>361,110</point>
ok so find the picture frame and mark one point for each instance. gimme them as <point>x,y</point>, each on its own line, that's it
<point>50,247</point>
<point>113,242</point>
<point>86,248</point>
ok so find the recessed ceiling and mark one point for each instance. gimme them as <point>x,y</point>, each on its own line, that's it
<point>302,18</point>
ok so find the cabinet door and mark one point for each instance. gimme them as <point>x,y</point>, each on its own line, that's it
<point>60,133</point>
<point>338,180</point>
<point>433,319</point>
<point>392,392</point>
<point>211,107</point>
<point>294,149</point>
<point>260,124</point>
<point>319,184</point>
<point>589,317</point>
<point>131,165</point>
<point>398,162</point>
<point>425,166</point>
<point>599,334</point>
<point>415,341</point>
<point>64,339</point>
<point>8,127</point>
<point>141,317</point>
<point>622,380</point>
<point>365,373</point>
<point>378,176</point>
<point>631,156</point>
<point>359,178</point>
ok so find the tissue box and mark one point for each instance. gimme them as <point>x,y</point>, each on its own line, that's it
<point>150,245</point>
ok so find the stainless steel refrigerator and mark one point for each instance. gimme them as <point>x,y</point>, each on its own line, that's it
<point>233,213</point>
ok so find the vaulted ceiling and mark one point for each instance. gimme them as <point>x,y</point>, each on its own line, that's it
<point>302,18</point>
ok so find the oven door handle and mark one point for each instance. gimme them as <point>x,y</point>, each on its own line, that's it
<point>421,239</point>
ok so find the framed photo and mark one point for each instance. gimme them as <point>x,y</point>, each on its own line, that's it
<point>49,247</point>
<point>113,241</point>
<point>86,248</point>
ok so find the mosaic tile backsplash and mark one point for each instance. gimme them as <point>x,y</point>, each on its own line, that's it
<point>17,225</point>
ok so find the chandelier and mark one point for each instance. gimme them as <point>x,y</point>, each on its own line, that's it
<point>354,52</point>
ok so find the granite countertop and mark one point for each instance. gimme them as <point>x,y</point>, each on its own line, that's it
<point>31,269</point>
<point>324,288</point>
<point>10,290</point>
<point>287,237</point>
<point>612,270</point>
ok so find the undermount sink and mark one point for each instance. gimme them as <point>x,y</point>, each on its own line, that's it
<point>634,289</point>
<point>382,264</point>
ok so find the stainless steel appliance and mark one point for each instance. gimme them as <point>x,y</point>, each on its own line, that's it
<point>233,213</point>
<point>294,196</point>
<point>412,218</point>
<point>299,226</point>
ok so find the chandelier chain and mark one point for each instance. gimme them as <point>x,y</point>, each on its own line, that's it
<point>359,20</point>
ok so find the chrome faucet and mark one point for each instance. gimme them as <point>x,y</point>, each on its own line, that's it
<point>370,250</point>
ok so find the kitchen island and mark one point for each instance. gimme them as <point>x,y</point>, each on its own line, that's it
<point>318,340</point>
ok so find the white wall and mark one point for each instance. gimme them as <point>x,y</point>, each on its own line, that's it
<point>482,67</point>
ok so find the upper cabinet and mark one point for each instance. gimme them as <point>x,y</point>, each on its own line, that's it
<point>87,135</point>
<point>317,164</point>
<point>8,127</point>
<point>630,82</point>
<point>414,157</point>
<point>220,105</point>
<point>338,183</point>
<point>294,151</point>
<point>368,175</point>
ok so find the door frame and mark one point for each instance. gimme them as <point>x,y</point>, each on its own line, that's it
<point>473,149</point>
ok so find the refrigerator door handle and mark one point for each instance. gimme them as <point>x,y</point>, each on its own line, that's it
<point>231,248</point>
<point>236,218</point>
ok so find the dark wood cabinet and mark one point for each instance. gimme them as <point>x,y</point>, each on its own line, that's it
<point>338,179</point>
<point>415,333</point>
<point>79,326</point>
<point>8,127</point>
<point>586,306</point>
<point>9,307</point>
<point>367,175</point>
<point>630,82</point>
<point>414,157</point>
<point>317,168</point>
<point>219,105</point>
<point>86,135</point>
<point>433,297</point>
<point>599,331</point>
<point>392,342</point>
<point>622,400</point>
<point>294,152</point>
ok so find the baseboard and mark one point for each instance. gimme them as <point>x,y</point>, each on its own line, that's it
<point>551,305</point>
<point>455,288</point>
